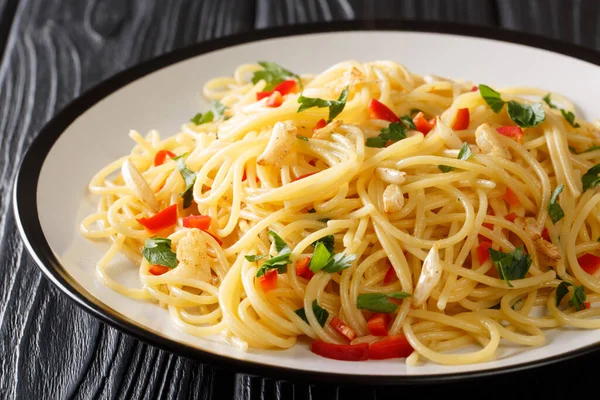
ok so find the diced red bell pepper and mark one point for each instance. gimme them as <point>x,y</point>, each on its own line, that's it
<point>268,281</point>
<point>391,347</point>
<point>462,119</point>
<point>390,276</point>
<point>514,132</point>
<point>275,100</point>
<point>511,217</point>
<point>302,268</point>
<point>378,324</point>
<point>422,124</point>
<point>511,198</point>
<point>343,329</point>
<point>160,221</point>
<point>483,253</point>
<point>158,269</point>
<point>587,305</point>
<point>320,124</point>
<point>546,234</point>
<point>380,111</point>
<point>344,352</point>
<point>201,222</point>
<point>285,87</point>
<point>589,263</point>
<point>161,156</point>
<point>303,176</point>
<point>474,88</point>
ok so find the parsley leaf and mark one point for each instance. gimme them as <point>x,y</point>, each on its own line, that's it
<point>511,266</point>
<point>280,244</point>
<point>591,179</point>
<point>328,241</point>
<point>394,132</point>
<point>492,98</point>
<point>554,209</point>
<point>280,262</point>
<point>323,260</point>
<point>189,177</point>
<point>408,122</point>
<point>339,262</point>
<point>320,313</point>
<point>320,257</point>
<point>200,118</point>
<point>273,74</point>
<point>525,115</point>
<point>379,302</point>
<point>561,291</point>
<point>547,100</point>
<point>335,106</point>
<point>218,108</point>
<point>302,138</point>
<point>593,148</point>
<point>578,299</point>
<point>158,252</point>
<point>254,257</point>
<point>464,154</point>
<point>570,117</point>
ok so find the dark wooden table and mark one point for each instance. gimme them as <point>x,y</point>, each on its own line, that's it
<point>51,51</point>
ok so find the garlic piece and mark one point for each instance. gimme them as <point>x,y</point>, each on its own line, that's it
<point>390,175</point>
<point>393,199</point>
<point>281,142</point>
<point>138,185</point>
<point>431,273</point>
<point>487,140</point>
<point>192,255</point>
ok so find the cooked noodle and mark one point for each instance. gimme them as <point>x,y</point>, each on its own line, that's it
<point>472,305</point>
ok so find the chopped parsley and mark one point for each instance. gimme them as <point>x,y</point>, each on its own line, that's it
<point>464,154</point>
<point>567,115</point>
<point>554,209</point>
<point>278,262</point>
<point>273,74</point>
<point>524,115</point>
<point>577,299</point>
<point>511,266</point>
<point>328,241</point>
<point>189,177</point>
<point>158,252</point>
<point>380,302</point>
<point>322,259</point>
<point>408,122</point>
<point>591,179</point>
<point>321,314</point>
<point>217,109</point>
<point>394,132</point>
<point>335,106</point>
<point>302,138</point>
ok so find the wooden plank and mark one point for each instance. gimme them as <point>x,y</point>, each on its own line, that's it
<point>287,12</point>
<point>571,21</point>
<point>50,348</point>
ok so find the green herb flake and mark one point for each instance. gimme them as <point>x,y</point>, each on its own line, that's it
<point>158,252</point>
<point>511,266</point>
<point>593,148</point>
<point>379,302</point>
<point>328,241</point>
<point>492,98</point>
<point>570,117</point>
<point>394,132</point>
<point>200,118</point>
<point>254,258</point>
<point>321,314</point>
<point>273,74</point>
<point>554,209</point>
<point>590,179</point>
<point>408,122</point>
<point>561,291</point>
<point>280,244</point>
<point>302,138</point>
<point>189,177</point>
<point>578,299</point>
<point>547,100</point>
<point>464,154</point>
<point>335,106</point>
<point>525,115</point>
<point>339,262</point>
<point>320,258</point>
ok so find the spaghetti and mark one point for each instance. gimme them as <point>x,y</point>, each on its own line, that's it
<point>379,213</point>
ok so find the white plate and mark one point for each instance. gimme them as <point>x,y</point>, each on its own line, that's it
<point>51,190</point>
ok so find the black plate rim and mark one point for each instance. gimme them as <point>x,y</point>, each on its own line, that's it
<point>25,195</point>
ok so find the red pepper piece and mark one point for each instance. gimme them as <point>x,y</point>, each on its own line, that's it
<point>160,221</point>
<point>344,352</point>
<point>390,347</point>
<point>343,329</point>
<point>161,156</point>
<point>462,119</point>
<point>380,111</point>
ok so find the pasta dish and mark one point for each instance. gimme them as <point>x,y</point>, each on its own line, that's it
<point>378,213</point>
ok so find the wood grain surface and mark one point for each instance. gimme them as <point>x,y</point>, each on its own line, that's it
<point>52,50</point>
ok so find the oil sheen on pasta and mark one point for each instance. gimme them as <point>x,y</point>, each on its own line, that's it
<point>461,319</point>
